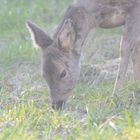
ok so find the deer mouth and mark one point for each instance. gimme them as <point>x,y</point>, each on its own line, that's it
<point>59,105</point>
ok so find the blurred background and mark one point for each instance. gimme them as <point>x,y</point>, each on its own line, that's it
<point>23,92</point>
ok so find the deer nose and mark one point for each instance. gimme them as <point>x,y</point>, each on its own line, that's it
<point>59,105</point>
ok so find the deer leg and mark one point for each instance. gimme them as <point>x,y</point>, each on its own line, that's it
<point>136,63</point>
<point>125,52</point>
<point>136,72</point>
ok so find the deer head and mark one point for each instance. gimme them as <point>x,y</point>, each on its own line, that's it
<point>60,60</point>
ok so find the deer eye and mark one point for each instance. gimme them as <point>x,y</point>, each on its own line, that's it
<point>63,74</point>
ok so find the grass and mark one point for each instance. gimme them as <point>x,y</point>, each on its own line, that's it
<point>25,111</point>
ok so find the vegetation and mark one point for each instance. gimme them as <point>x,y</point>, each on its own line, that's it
<point>25,111</point>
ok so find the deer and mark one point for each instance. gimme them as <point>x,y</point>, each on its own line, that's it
<point>61,54</point>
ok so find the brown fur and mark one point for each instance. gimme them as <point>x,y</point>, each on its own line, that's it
<point>61,55</point>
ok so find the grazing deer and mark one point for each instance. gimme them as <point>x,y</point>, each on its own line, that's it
<point>61,55</point>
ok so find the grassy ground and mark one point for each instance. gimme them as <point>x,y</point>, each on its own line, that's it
<point>25,112</point>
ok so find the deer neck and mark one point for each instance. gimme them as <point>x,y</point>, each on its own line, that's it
<point>83,23</point>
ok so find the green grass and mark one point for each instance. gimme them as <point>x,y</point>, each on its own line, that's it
<point>25,110</point>
<point>93,115</point>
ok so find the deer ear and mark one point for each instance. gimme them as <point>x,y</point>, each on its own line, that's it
<point>67,35</point>
<point>39,37</point>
